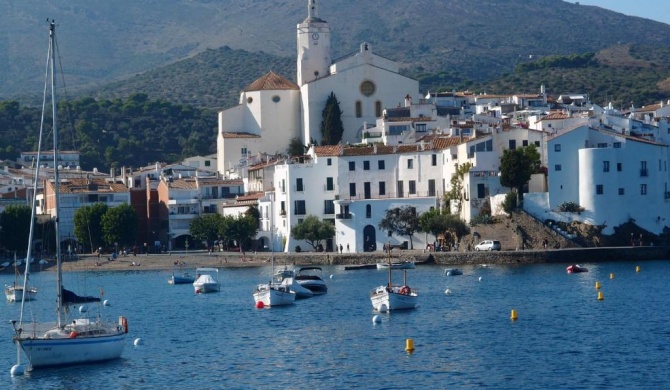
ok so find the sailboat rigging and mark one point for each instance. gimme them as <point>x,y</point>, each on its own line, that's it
<point>68,341</point>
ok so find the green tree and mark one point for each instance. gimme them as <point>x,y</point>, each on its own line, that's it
<point>331,124</point>
<point>206,227</point>
<point>436,223</point>
<point>516,167</point>
<point>242,229</point>
<point>119,225</point>
<point>295,147</point>
<point>15,227</point>
<point>313,230</point>
<point>88,225</point>
<point>455,194</point>
<point>402,221</point>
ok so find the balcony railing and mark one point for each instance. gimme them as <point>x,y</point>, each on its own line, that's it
<point>343,216</point>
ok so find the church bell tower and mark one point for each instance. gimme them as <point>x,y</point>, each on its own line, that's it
<point>313,46</point>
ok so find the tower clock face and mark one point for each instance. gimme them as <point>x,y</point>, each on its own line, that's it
<point>315,36</point>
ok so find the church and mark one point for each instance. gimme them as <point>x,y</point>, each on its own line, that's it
<point>273,110</point>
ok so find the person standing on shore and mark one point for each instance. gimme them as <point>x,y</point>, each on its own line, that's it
<point>341,248</point>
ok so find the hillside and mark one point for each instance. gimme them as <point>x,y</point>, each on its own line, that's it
<point>108,41</point>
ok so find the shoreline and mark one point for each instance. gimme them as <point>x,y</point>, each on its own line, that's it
<point>192,260</point>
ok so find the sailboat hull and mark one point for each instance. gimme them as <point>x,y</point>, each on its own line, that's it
<point>393,300</point>
<point>64,351</point>
<point>274,295</point>
<point>15,293</point>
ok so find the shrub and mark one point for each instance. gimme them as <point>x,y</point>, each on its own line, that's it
<point>510,202</point>
<point>570,207</point>
<point>298,249</point>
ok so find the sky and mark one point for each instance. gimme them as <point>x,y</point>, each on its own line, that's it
<point>658,10</point>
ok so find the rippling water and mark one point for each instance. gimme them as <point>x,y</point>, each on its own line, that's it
<point>564,337</point>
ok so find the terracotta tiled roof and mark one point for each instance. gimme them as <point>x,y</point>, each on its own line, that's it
<point>555,116</point>
<point>239,135</point>
<point>329,150</point>
<point>182,184</point>
<point>271,82</point>
<point>254,196</point>
<point>78,186</point>
<point>225,182</point>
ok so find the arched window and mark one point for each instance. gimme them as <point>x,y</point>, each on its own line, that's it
<point>368,211</point>
<point>378,109</point>
<point>359,109</point>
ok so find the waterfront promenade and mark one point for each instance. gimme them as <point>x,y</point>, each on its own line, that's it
<point>232,259</point>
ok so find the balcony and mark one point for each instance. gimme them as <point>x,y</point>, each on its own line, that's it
<point>343,216</point>
<point>644,173</point>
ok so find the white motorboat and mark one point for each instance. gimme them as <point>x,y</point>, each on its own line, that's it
<point>287,277</point>
<point>14,292</point>
<point>405,264</point>
<point>394,297</point>
<point>207,280</point>
<point>70,340</point>
<point>312,279</point>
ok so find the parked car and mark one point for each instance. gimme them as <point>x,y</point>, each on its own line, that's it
<point>488,245</point>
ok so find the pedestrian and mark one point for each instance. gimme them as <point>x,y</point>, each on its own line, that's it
<point>641,239</point>
<point>340,248</point>
<point>347,248</point>
<point>632,240</point>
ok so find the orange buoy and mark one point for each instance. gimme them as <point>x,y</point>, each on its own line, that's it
<point>74,334</point>
<point>260,305</point>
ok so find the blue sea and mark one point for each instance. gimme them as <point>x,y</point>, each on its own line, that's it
<point>564,337</point>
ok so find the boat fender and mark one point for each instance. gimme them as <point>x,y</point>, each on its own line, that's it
<point>124,324</point>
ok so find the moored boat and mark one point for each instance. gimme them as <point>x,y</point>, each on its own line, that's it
<point>207,280</point>
<point>405,264</point>
<point>394,297</point>
<point>311,278</point>
<point>576,268</point>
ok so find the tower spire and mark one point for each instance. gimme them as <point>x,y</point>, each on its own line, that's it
<point>311,9</point>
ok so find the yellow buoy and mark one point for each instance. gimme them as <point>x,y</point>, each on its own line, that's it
<point>597,285</point>
<point>600,296</point>
<point>611,276</point>
<point>409,345</point>
<point>637,268</point>
<point>513,315</point>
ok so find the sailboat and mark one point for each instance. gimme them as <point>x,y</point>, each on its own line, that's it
<point>273,293</point>
<point>69,340</point>
<point>14,292</point>
<point>394,297</point>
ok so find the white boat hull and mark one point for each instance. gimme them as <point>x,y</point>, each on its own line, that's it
<point>274,296</point>
<point>393,300</point>
<point>201,288</point>
<point>15,294</point>
<point>401,265</point>
<point>83,342</point>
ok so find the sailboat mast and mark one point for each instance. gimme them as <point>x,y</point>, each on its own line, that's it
<point>54,103</point>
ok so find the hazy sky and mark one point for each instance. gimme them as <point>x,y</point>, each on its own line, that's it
<point>658,10</point>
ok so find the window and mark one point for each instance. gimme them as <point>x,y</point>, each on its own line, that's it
<point>412,187</point>
<point>433,160</point>
<point>431,187</point>
<point>367,191</point>
<point>276,98</point>
<point>366,165</point>
<point>420,127</point>
<point>602,145</point>
<point>537,144</point>
<point>367,88</point>
<point>298,185</point>
<point>524,143</point>
<point>382,188</point>
<point>352,189</point>
<point>283,185</point>
<point>606,166</point>
<point>621,191</point>
<point>329,184</point>
<point>410,163</point>
<point>643,189</point>
<point>282,208</point>
<point>329,162</point>
<point>243,151</point>
<point>512,144</point>
<point>208,163</point>
<point>481,191</point>
<point>368,211</point>
<point>352,165</point>
<point>599,189</point>
<point>300,207</point>
<point>380,165</point>
<point>616,145</point>
<point>619,167</point>
<point>401,190</point>
<point>378,109</point>
<point>359,109</point>
<point>557,148</point>
<point>328,207</point>
<point>643,168</point>
<point>557,167</point>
